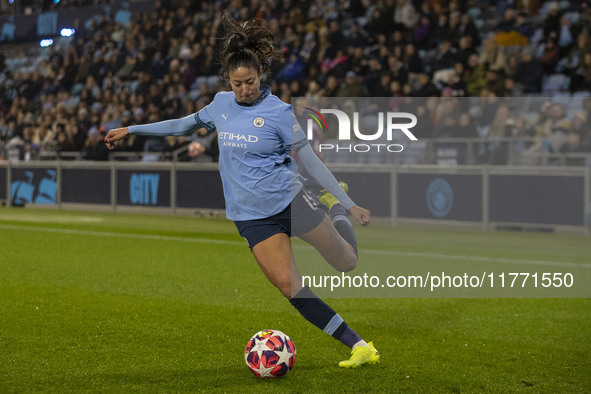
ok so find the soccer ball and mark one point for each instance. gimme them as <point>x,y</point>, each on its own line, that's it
<point>270,354</point>
<point>195,148</point>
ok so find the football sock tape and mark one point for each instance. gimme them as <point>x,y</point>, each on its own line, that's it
<point>338,210</point>
<point>323,316</point>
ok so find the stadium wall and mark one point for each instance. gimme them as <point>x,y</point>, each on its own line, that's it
<point>486,197</point>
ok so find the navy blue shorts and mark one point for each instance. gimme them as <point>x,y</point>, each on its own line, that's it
<point>299,217</point>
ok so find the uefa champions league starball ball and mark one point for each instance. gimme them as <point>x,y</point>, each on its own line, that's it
<point>270,354</point>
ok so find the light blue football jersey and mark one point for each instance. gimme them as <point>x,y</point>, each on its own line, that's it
<point>257,172</point>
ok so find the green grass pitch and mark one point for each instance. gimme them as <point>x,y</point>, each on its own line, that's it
<point>118,302</point>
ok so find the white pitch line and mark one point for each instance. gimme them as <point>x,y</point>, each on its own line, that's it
<point>500,260</point>
<point>440,256</point>
<point>50,219</point>
<point>121,235</point>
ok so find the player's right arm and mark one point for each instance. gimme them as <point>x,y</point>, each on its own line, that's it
<point>176,127</point>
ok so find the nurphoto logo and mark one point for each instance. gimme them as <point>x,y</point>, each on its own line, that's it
<point>388,126</point>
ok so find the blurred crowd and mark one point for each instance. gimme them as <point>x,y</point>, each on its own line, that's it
<point>461,130</point>
<point>20,7</point>
<point>163,65</point>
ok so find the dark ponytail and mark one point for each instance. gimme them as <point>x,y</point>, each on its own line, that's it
<point>249,45</point>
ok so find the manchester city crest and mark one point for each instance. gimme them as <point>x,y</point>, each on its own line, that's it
<point>440,197</point>
<point>258,122</point>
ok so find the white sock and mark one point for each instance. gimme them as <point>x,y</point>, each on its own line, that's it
<point>360,343</point>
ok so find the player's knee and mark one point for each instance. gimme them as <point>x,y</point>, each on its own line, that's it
<point>349,262</point>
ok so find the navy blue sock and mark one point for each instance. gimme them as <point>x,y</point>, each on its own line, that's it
<point>349,337</point>
<point>338,210</point>
<point>341,222</point>
<point>323,316</point>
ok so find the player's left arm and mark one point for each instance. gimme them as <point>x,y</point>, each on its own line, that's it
<point>315,167</point>
<point>324,177</point>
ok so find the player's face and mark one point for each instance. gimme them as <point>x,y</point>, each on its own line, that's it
<point>246,84</point>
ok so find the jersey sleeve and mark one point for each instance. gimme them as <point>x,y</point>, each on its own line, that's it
<point>291,131</point>
<point>323,176</point>
<point>296,140</point>
<point>204,118</point>
<point>177,127</point>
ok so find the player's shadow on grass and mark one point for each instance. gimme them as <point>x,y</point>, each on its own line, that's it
<point>174,380</point>
<point>214,379</point>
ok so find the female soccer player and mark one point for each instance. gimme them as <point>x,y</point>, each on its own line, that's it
<point>264,196</point>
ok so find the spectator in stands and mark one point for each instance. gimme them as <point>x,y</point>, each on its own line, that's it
<point>495,82</point>
<point>508,22</point>
<point>467,28</point>
<point>551,54</point>
<point>552,21</point>
<point>395,91</point>
<point>94,147</point>
<point>465,128</point>
<point>456,81</point>
<point>492,57</point>
<point>308,48</point>
<point>475,76</point>
<point>556,121</point>
<point>511,65</point>
<point>523,25</point>
<point>293,70</point>
<point>412,60</point>
<point>352,86</point>
<point>379,22</point>
<point>442,30</point>
<point>465,50</point>
<point>583,73</point>
<point>397,42</point>
<point>519,127</point>
<point>579,124</point>
<point>512,89</point>
<point>574,60</point>
<point>356,37</point>
<point>324,49</point>
<point>444,58</point>
<point>177,146</point>
<point>396,69</point>
<point>313,89</point>
<point>65,143</point>
<point>426,88</point>
<point>425,128</point>
<point>496,150</point>
<point>372,80</point>
<point>357,60</point>
<point>422,33</point>
<point>551,131</point>
<point>572,145</point>
<point>566,35</point>
<point>530,73</point>
<point>405,14</point>
<point>446,127</point>
<point>383,88</point>
<point>331,87</point>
